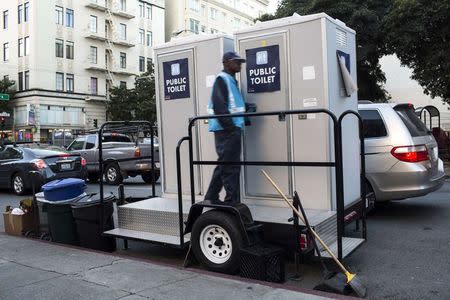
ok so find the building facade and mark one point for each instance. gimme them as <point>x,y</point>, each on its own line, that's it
<point>211,16</point>
<point>64,55</point>
<point>403,89</point>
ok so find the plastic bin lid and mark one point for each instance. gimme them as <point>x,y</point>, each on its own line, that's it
<point>40,198</point>
<point>62,183</point>
<point>91,200</point>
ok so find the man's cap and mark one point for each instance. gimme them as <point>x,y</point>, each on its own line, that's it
<point>231,55</point>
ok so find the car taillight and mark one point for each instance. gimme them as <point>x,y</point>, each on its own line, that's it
<point>137,152</point>
<point>39,163</point>
<point>83,162</point>
<point>410,153</point>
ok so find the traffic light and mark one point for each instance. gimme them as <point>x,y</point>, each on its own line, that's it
<point>95,123</point>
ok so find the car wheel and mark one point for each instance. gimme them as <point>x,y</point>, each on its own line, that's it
<point>147,177</point>
<point>216,241</point>
<point>18,184</point>
<point>113,175</point>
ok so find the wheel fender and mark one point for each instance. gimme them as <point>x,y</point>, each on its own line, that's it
<point>197,210</point>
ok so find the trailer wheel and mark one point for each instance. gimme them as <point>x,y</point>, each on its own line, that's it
<point>216,241</point>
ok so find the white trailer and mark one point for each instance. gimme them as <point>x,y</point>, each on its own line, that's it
<point>298,73</point>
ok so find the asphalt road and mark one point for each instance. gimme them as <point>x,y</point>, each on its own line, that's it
<point>406,255</point>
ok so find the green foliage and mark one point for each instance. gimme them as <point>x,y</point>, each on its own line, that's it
<point>6,88</point>
<point>138,103</point>
<point>364,16</point>
<point>418,32</point>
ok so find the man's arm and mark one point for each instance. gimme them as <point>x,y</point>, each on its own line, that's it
<point>220,103</point>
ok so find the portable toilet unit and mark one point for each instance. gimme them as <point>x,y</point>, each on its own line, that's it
<point>186,69</point>
<point>292,64</point>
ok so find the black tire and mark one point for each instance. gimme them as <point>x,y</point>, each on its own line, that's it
<point>224,225</point>
<point>18,184</point>
<point>112,174</point>
<point>93,177</point>
<point>147,177</point>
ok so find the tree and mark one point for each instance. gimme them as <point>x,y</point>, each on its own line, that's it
<point>138,103</point>
<point>366,18</point>
<point>418,32</point>
<point>6,88</point>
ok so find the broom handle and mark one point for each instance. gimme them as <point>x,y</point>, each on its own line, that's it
<point>301,218</point>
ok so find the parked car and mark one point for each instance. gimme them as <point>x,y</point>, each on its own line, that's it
<point>116,147</point>
<point>16,162</point>
<point>401,153</point>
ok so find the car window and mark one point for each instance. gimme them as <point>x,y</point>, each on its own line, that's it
<point>373,124</point>
<point>77,144</point>
<point>10,153</point>
<point>116,138</point>
<point>90,142</point>
<point>412,122</point>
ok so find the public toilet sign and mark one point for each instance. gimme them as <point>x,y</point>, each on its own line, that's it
<point>5,114</point>
<point>176,79</point>
<point>263,69</point>
<point>4,97</point>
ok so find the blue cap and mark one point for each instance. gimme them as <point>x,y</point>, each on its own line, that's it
<point>231,55</point>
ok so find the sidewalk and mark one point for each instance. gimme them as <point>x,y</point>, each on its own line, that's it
<point>32,269</point>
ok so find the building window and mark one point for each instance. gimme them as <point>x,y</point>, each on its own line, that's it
<point>194,25</point>
<point>94,86</point>
<point>27,45</point>
<point>59,81</point>
<point>93,55</point>
<point>20,47</point>
<point>27,80</point>
<point>69,50</point>
<point>141,64</point>
<point>224,17</point>
<point>203,10</point>
<point>237,23</point>
<point>149,64</point>
<point>123,84</point>
<point>59,15</point>
<point>123,60</point>
<point>213,13</point>
<point>69,17</point>
<point>20,81</point>
<point>123,5</point>
<point>70,83</point>
<point>122,31</point>
<point>141,9</point>
<point>93,24</point>
<point>148,9</point>
<point>5,19</point>
<point>149,38</point>
<point>59,48</point>
<point>5,51</point>
<point>141,36</point>
<point>195,5</point>
<point>20,14</point>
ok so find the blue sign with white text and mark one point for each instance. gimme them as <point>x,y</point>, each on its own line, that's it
<point>263,69</point>
<point>176,79</point>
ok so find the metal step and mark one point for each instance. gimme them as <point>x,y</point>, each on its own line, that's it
<point>147,236</point>
<point>348,246</point>
<point>155,215</point>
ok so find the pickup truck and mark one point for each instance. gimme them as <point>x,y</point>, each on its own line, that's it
<point>116,147</point>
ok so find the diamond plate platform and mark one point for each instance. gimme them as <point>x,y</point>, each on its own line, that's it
<point>348,246</point>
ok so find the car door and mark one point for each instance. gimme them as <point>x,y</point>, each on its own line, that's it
<point>90,153</point>
<point>8,157</point>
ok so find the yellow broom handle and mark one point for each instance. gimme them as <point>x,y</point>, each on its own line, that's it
<point>301,218</point>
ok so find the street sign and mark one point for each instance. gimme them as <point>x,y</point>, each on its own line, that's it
<point>5,114</point>
<point>4,97</point>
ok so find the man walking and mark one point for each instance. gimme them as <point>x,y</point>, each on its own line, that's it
<point>226,99</point>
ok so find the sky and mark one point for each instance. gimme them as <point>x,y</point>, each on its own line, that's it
<point>272,6</point>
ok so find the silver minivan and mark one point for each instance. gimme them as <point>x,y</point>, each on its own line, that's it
<point>401,153</point>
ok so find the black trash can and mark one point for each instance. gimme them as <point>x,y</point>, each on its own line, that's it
<point>61,223</point>
<point>87,216</point>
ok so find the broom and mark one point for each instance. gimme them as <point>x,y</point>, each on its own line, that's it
<point>352,279</point>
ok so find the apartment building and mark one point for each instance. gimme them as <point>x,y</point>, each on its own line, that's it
<point>211,16</point>
<point>64,55</point>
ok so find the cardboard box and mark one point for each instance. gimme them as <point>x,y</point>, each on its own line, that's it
<point>18,224</point>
